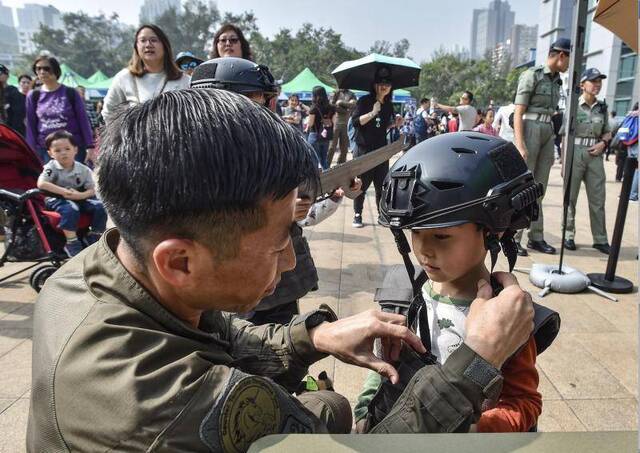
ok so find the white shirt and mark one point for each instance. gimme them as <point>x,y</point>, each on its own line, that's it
<point>467,114</point>
<point>126,88</point>
<point>502,121</point>
<point>447,318</point>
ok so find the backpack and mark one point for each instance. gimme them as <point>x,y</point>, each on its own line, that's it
<point>628,130</point>
<point>419,125</point>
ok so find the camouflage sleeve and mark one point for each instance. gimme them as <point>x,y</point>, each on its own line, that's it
<point>439,399</point>
<point>525,88</point>
<point>281,352</point>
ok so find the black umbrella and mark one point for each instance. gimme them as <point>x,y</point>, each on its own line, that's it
<point>360,74</point>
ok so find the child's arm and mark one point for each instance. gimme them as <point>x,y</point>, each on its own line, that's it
<point>369,389</point>
<point>520,402</point>
<point>51,187</point>
<point>320,211</point>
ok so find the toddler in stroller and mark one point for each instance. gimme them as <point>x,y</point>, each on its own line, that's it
<point>31,233</point>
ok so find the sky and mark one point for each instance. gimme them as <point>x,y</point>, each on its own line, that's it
<point>427,24</point>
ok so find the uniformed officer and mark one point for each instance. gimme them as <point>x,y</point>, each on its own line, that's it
<point>536,99</point>
<point>136,344</point>
<point>592,135</point>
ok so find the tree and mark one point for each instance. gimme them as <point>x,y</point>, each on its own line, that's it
<point>319,49</point>
<point>191,28</point>
<point>397,49</point>
<point>87,43</point>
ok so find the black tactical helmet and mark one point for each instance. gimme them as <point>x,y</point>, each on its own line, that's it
<point>457,178</point>
<point>234,74</point>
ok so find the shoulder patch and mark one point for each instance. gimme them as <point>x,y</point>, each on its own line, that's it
<point>48,172</point>
<point>249,408</point>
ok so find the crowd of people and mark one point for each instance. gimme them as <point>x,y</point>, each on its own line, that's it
<point>188,310</point>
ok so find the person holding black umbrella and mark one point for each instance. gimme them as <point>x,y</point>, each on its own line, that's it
<point>371,118</point>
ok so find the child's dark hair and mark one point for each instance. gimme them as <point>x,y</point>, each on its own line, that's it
<point>58,135</point>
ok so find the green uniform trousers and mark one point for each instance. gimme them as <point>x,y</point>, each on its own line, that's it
<point>589,169</point>
<point>538,137</point>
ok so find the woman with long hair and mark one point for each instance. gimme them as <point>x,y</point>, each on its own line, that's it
<point>53,107</point>
<point>229,41</point>
<point>320,124</point>
<point>151,71</point>
<point>371,118</point>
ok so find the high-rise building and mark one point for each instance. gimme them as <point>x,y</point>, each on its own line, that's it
<point>523,39</point>
<point>30,18</point>
<point>152,9</point>
<point>603,50</point>
<point>490,26</point>
<point>6,16</point>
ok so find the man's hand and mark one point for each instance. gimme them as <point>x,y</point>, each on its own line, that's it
<point>497,327</point>
<point>351,340</point>
<point>597,149</point>
<point>302,208</point>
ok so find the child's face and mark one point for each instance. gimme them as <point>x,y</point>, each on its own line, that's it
<point>63,152</point>
<point>447,254</point>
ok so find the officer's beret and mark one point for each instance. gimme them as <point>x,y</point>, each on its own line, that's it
<point>561,44</point>
<point>591,74</point>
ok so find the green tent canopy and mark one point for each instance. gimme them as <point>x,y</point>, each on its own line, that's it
<point>99,76</point>
<point>71,78</point>
<point>303,84</point>
<point>13,80</point>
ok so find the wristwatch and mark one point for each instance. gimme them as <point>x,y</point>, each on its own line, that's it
<point>324,313</point>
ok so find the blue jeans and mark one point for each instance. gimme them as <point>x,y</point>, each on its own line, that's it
<point>321,147</point>
<point>70,213</point>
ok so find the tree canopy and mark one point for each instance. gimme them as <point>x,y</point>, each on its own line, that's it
<point>91,43</point>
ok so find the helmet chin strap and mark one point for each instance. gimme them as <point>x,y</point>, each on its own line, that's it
<point>506,243</point>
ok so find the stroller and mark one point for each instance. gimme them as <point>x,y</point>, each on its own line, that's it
<point>30,231</point>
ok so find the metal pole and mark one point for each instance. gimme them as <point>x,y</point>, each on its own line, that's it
<point>575,63</point>
<point>608,281</point>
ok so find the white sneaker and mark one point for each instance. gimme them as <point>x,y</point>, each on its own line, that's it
<point>357,221</point>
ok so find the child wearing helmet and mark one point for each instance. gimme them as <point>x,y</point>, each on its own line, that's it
<point>461,195</point>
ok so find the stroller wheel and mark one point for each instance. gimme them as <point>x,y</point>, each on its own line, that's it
<point>40,275</point>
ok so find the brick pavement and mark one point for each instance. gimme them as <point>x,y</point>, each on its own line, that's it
<point>588,377</point>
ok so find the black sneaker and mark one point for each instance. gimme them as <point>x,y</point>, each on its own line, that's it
<point>357,221</point>
<point>602,248</point>
<point>569,244</point>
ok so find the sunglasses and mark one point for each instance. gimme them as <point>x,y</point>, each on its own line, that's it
<point>229,40</point>
<point>43,68</point>
<point>188,65</point>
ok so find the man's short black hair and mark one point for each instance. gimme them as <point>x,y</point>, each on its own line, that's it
<point>197,164</point>
<point>469,95</point>
<point>424,100</point>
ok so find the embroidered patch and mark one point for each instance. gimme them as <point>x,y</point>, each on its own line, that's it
<point>250,411</point>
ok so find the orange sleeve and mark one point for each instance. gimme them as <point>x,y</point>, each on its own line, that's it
<point>520,403</point>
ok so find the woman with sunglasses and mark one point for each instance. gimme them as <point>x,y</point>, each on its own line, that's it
<point>229,41</point>
<point>53,107</point>
<point>151,72</point>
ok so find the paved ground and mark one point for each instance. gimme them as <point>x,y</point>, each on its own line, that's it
<point>588,377</point>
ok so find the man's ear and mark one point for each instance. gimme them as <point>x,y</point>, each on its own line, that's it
<point>173,260</point>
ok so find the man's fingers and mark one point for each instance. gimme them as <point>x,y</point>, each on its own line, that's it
<point>390,317</point>
<point>484,290</point>
<point>505,279</point>
<point>386,329</point>
<point>394,352</point>
<point>382,368</point>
